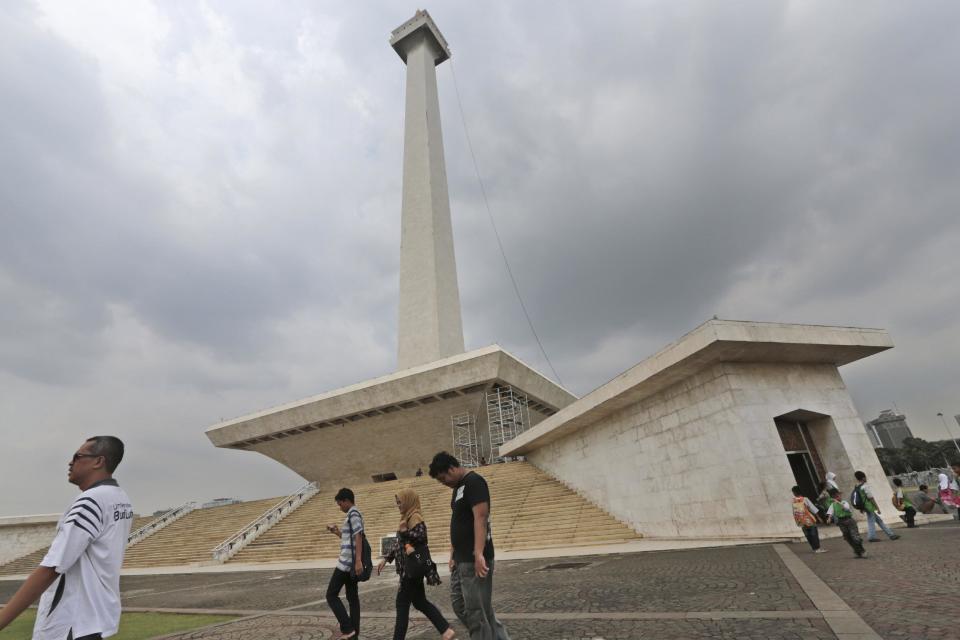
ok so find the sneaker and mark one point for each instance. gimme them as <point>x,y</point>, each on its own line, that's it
<point>873,539</point>
<point>820,551</point>
<point>894,537</point>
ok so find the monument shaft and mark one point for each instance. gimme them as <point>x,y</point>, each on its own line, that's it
<point>430,325</point>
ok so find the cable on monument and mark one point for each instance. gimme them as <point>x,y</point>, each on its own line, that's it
<point>496,233</point>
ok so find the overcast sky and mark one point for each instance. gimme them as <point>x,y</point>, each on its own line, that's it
<point>199,205</point>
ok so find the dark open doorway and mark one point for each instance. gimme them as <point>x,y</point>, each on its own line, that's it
<point>804,473</point>
<point>802,454</point>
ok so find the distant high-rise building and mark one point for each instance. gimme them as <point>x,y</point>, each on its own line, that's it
<point>889,430</point>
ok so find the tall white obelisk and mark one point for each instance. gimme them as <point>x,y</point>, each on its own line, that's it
<point>430,327</point>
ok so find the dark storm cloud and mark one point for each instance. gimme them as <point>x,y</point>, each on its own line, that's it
<point>651,191</point>
<point>200,204</point>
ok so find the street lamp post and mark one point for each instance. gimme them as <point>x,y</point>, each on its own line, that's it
<point>947,429</point>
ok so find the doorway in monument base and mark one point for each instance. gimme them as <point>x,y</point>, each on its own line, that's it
<point>802,453</point>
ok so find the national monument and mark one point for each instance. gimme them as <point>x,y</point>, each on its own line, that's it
<point>731,414</point>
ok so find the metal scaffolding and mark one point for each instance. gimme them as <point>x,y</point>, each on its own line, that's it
<point>466,445</point>
<point>507,417</point>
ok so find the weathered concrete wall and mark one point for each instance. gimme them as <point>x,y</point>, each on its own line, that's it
<point>762,391</point>
<point>20,535</point>
<point>703,458</point>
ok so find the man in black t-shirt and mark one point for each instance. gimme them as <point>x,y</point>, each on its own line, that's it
<point>471,548</point>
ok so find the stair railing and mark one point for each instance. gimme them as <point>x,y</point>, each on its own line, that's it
<point>156,524</point>
<point>232,545</point>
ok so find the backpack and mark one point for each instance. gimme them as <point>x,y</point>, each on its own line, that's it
<point>856,500</point>
<point>897,502</point>
<point>366,555</point>
<point>802,515</point>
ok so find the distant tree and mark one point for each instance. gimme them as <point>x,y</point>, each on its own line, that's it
<point>923,455</point>
<point>946,452</point>
<point>917,452</point>
<point>893,461</point>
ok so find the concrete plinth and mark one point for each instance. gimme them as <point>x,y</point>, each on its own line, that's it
<point>393,424</point>
<point>685,445</point>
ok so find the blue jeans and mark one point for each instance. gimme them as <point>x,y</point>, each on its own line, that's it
<point>813,536</point>
<point>873,519</point>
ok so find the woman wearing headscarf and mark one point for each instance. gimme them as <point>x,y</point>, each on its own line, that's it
<point>949,498</point>
<point>411,535</point>
<point>832,481</point>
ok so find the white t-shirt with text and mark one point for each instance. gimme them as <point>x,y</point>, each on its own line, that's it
<point>87,552</point>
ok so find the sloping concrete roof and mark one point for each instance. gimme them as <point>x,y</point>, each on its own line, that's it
<point>712,342</point>
<point>404,390</point>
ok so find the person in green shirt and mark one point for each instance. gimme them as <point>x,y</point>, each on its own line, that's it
<point>871,509</point>
<point>842,513</point>
<point>902,503</point>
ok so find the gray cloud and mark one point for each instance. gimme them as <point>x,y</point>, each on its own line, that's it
<point>200,205</point>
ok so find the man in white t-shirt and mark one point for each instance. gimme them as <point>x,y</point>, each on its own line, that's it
<point>78,580</point>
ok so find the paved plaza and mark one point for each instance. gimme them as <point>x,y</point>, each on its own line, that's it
<point>907,589</point>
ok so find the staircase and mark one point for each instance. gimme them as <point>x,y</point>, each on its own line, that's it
<point>29,562</point>
<point>192,538</point>
<point>530,510</point>
<point>23,564</point>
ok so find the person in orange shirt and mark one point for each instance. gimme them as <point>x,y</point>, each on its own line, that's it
<point>805,515</point>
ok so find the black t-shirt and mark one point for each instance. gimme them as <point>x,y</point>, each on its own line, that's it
<point>471,491</point>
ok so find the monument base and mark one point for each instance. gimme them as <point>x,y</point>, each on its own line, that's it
<point>388,425</point>
<point>706,438</point>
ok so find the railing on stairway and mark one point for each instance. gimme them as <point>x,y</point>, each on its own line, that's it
<point>232,545</point>
<point>159,523</point>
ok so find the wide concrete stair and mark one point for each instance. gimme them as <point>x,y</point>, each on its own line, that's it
<point>531,510</point>
<point>191,539</point>
<point>29,562</point>
<point>23,564</point>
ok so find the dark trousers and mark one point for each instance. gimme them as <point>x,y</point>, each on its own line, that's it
<point>412,592</point>
<point>338,580</point>
<point>813,536</point>
<point>92,636</point>
<point>908,516</point>
<point>472,600</point>
<point>851,533</point>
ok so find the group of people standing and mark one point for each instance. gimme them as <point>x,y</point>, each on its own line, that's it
<point>471,558</point>
<point>831,507</point>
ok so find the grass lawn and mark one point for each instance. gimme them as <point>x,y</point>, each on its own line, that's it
<point>133,626</point>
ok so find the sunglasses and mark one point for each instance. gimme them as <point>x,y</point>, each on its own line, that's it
<point>77,456</point>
